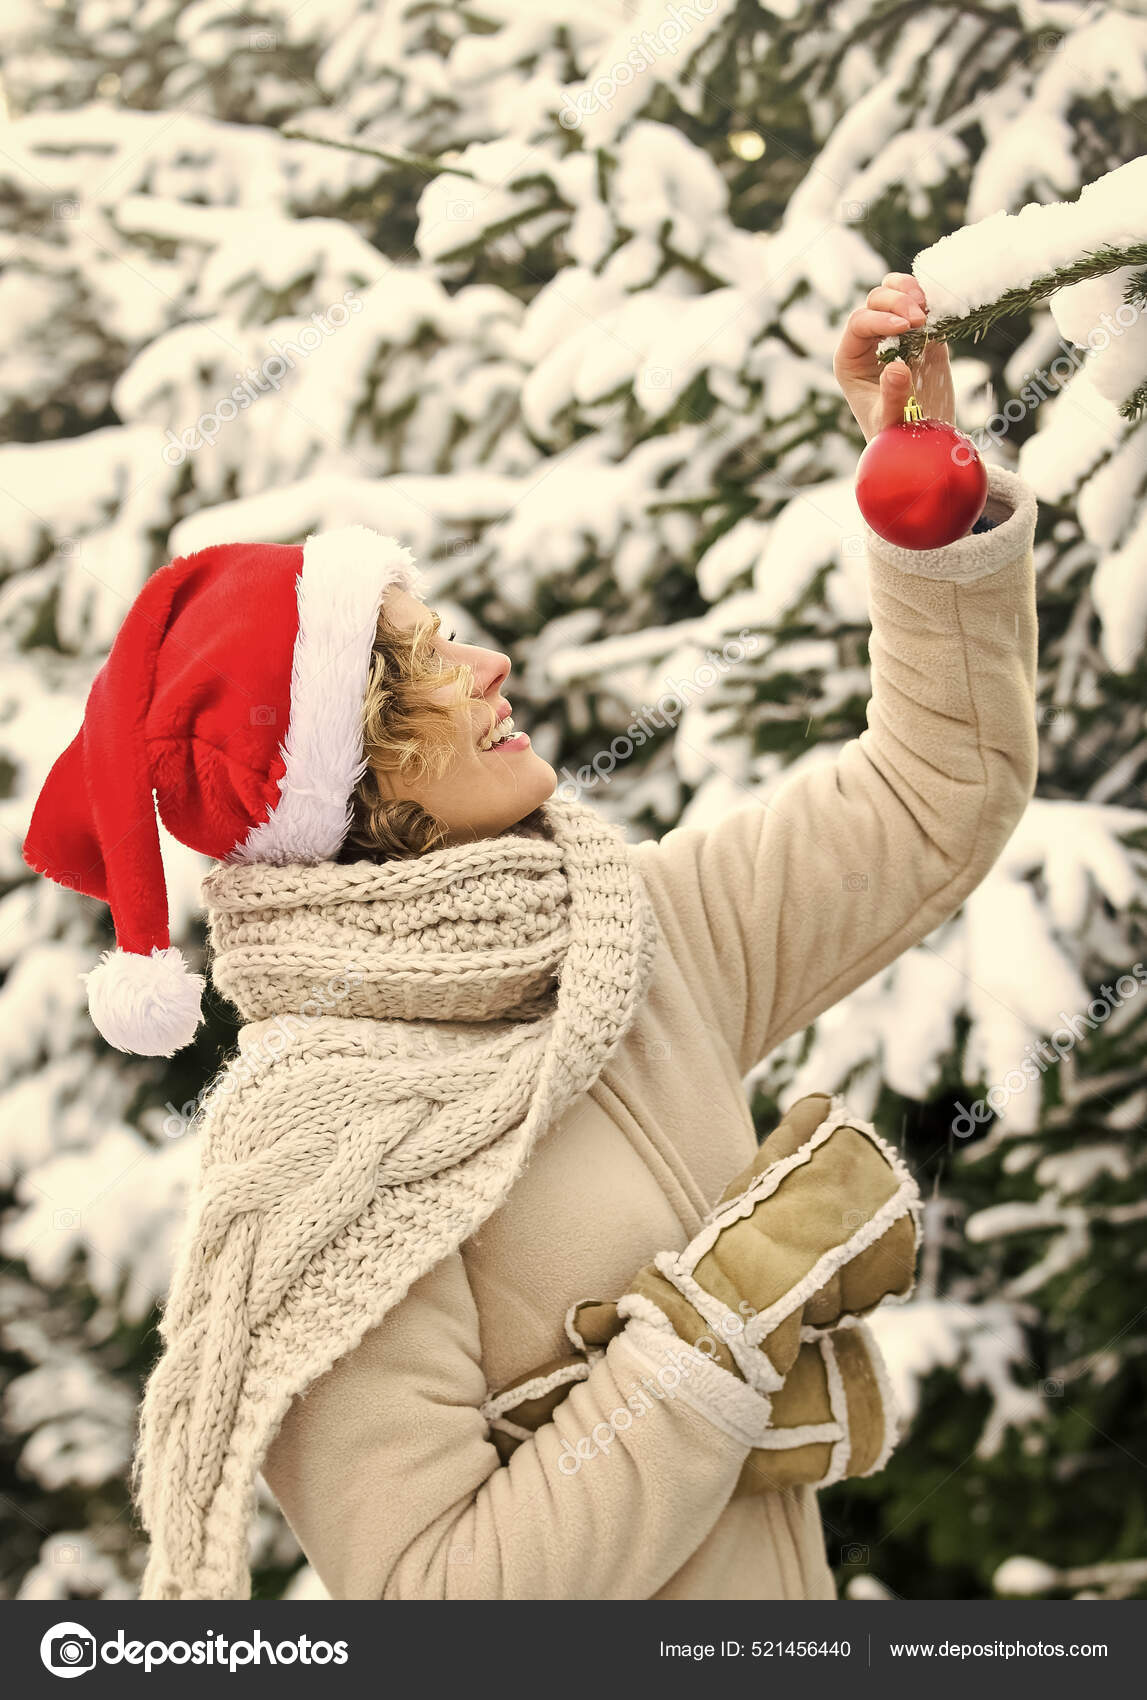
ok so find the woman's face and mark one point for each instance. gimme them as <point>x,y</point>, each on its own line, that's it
<point>484,791</point>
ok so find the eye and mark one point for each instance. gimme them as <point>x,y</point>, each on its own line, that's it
<point>451,637</point>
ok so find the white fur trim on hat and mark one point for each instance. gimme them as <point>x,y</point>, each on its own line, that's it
<point>146,1005</point>
<point>344,576</point>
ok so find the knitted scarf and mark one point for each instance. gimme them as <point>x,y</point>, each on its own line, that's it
<point>412,1027</point>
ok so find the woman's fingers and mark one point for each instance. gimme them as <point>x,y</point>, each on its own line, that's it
<point>906,282</point>
<point>898,301</point>
<point>864,328</point>
<point>877,394</point>
<point>874,321</point>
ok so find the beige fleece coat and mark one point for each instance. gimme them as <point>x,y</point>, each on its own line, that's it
<point>384,1466</point>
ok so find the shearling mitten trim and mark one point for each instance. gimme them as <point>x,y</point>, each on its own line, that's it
<point>572,1332</point>
<point>711,1390</point>
<point>836,1416</point>
<point>726,1328</point>
<point>519,1410</point>
<point>893,1415</point>
<point>590,1325</point>
<point>532,1387</point>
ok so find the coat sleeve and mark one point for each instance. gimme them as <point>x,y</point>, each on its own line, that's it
<point>783,907</point>
<point>385,1472</point>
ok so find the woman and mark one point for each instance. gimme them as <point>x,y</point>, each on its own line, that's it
<point>486,1271</point>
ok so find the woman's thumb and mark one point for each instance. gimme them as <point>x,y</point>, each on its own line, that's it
<point>895,388</point>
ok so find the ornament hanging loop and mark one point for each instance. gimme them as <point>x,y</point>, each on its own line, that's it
<point>912,409</point>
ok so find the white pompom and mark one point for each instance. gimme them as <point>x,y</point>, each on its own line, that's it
<point>146,1005</point>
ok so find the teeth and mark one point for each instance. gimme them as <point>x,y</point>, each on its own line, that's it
<point>503,730</point>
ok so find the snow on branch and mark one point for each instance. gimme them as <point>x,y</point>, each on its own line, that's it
<point>1030,1578</point>
<point>1008,262</point>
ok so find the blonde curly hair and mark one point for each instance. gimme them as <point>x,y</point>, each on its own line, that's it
<point>406,736</point>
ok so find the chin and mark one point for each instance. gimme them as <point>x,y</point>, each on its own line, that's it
<point>536,790</point>
<point>541,789</point>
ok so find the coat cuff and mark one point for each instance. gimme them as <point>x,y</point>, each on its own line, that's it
<point>1011,506</point>
<point>724,1400</point>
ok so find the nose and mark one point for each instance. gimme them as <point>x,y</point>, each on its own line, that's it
<point>491,671</point>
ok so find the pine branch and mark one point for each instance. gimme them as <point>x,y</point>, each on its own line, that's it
<point>977,323</point>
<point>425,163</point>
<point>1136,290</point>
<point>1136,404</point>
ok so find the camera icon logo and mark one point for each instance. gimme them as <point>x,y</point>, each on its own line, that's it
<point>68,1649</point>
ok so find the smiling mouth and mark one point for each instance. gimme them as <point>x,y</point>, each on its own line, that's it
<point>501,734</point>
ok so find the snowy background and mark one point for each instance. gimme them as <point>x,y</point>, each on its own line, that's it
<point>578,279</point>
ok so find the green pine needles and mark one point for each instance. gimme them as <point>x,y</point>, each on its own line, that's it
<point>975,324</point>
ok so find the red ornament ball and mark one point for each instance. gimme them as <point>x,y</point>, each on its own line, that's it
<point>921,484</point>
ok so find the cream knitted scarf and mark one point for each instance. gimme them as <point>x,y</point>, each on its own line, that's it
<point>470,995</point>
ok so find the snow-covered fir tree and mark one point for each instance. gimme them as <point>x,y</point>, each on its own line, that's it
<point>552,291</point>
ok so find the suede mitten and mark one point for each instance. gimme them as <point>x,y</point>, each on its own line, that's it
<point>820,1227</point>
<point>816,1231</point>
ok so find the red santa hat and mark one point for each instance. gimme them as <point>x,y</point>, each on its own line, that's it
<point>232,702</point>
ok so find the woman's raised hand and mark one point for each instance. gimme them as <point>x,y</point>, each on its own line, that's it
<point>877,396</point>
